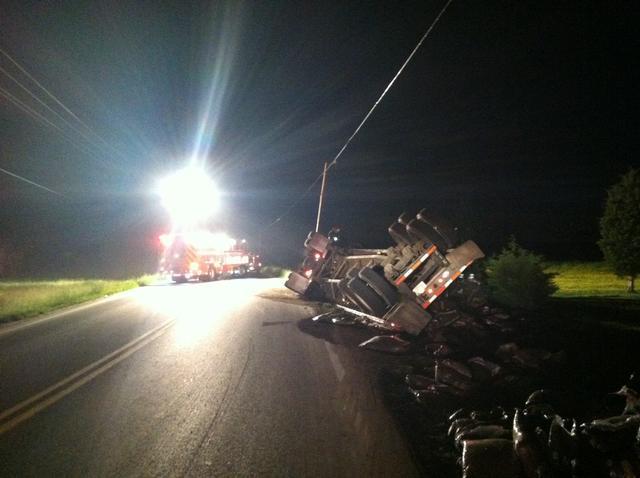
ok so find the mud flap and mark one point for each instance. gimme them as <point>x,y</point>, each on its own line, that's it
<point>297,283</point>
<point>464,254</point>
<point>317,242</point>
<point>408,316</point>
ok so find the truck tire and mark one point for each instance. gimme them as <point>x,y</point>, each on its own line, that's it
<point>380,285</point>
<point>367,297</point>
<point>445,231</point>
<point>422,231</point>
<point>398,233</point>
<point>314,292</point>
<point>349,296</point>
<point>351,273</point>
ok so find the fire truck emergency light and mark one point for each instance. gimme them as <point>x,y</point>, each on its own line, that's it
<point>189,196</point>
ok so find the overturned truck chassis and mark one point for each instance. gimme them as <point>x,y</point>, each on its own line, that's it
<point>393,287</point>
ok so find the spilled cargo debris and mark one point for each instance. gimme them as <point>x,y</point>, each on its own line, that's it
<point>391,344</point>
<point>535,441</point>
<point>458,349</point>
<point>467,351</point>
<point>483,370</point>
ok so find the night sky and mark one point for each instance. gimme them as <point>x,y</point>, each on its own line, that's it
<point>513,118</point>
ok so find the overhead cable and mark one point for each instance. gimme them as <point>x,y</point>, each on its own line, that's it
<point>60,104</point>
<point>393,80</point>
<point>366,117</point>
<point>38,116</point>
<point>51,95</point>
<point>29,181</point>
<point>48,108</point>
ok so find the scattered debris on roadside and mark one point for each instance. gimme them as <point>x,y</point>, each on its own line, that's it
<point>535,441</point>
<point>465,352</point>
<point>387,343</point>
<point>468,353</point>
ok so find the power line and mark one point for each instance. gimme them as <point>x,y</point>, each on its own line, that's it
<point>375,105</point>
<point>27,109</point>
<point>51,95</point>
<point>58,115</point>
<point>29,181</point>
<point>36,115</point>
<point>366,117</point>
<point>59,103</point>
<point>296,202</point>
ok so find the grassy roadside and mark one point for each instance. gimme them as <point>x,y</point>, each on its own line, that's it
<point>588,280</point>
<point>590,294</point>
<point>22,299</point>
<point>274,271</point>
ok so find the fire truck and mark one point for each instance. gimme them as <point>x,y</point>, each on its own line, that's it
<point>205,256</point>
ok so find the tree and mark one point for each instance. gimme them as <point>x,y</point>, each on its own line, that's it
<point>516,278</point>
<point>620,227</point>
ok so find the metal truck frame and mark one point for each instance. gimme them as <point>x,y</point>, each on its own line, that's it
<point>393,287</point>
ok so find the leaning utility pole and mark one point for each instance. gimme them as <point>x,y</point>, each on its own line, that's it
<point>324,180</point>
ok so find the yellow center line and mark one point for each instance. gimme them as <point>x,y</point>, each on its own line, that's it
<point>92,371</point>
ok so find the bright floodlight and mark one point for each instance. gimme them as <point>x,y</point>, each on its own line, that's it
<point>189,195</point>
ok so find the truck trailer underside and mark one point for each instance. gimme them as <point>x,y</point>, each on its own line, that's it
<point>395,286</point>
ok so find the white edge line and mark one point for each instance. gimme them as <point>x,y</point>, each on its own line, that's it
<point>335,362</point>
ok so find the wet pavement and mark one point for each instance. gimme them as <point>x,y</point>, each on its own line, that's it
<point>219,379</point>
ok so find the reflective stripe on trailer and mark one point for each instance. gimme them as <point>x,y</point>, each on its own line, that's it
<point>443,287</point>
<point>192,255</point>
<point>415,265</point>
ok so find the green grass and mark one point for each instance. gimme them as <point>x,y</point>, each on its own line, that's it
<point>590,294</point>
<point>22,299</point>
<point>146,279</point>
<point>589,280</point>
<point>274,271</point>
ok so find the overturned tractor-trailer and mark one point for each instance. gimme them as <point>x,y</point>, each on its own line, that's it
<point>393,287</point>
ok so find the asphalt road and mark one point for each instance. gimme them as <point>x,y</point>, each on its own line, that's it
<point>214,379</point>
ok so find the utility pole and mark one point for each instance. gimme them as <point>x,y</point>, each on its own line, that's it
<point>324,180</point>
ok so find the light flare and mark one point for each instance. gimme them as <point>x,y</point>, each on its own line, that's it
<point>189,196</point>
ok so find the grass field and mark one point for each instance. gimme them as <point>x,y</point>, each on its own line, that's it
<point>23,299</point>
<point>588,279</point>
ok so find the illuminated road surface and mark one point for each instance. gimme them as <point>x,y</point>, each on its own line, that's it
<point>209,379</point>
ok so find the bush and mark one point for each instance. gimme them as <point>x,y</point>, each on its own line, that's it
<point>620,228</point>
<point>516,278</point>
<point>146,279</point>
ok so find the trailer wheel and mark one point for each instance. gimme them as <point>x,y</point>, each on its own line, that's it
<point>211,273</point>
<point>367,297</point>
<point>380,285</point>
<point>349,296</point>
<point>314,292</point>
